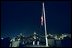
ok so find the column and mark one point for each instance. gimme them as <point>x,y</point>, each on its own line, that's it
<point>37,42</point>
<point>33,42</point>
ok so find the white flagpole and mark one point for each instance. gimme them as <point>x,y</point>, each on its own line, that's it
<point>45,26</point>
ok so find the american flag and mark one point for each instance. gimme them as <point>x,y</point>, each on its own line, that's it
<point>42,20</point>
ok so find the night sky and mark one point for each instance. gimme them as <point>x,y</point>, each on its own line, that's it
<point>24,17</point>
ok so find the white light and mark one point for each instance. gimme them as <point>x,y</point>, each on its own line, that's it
<point>18,39</point>
<point>2,38</point>
<point>51,35</point>
<point>13,39</point>
<point>65,35</point>
<point>59,38</point>
<point>34,37</point>
<point>34,32</point>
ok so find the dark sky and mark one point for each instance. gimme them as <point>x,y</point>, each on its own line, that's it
<point>24,17</point>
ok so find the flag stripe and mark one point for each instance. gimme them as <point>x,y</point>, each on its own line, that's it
<point>41,20</point>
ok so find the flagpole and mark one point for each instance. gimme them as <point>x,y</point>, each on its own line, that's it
<point>45,26</point>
